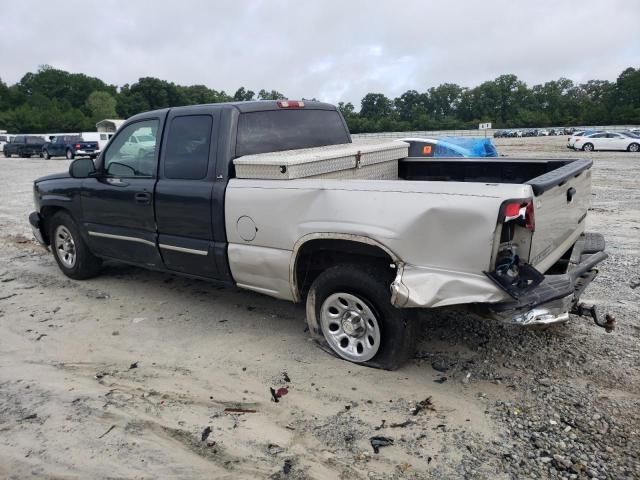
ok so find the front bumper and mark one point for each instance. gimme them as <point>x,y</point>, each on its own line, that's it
<point>36,227</point>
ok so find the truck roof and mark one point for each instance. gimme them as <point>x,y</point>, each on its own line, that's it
<point>243,107</point>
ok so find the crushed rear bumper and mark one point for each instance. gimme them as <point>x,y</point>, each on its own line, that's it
<point>552,300</point>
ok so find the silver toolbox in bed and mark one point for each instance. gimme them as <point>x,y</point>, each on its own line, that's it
<point>345,161</point>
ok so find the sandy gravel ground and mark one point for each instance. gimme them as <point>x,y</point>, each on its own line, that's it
<point>130,375</point>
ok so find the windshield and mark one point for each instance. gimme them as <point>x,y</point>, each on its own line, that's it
<point>278,130</point>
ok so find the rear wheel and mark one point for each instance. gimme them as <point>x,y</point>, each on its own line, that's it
<point>69,249</point>
<point>634,147</point>
<point>588,147</point>
<point>349,313</point>
<point>69,154</point>
<point>45,155</point>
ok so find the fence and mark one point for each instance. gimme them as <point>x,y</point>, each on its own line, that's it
<point>475,133</point>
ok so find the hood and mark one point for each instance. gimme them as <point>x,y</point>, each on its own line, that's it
<point>53,176</point>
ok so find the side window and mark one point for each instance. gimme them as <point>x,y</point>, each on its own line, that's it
<point>103,136</point>
<point>187,154</point>
<point>124,158</point>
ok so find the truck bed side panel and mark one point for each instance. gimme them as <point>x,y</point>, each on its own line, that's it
<point>443,228</point>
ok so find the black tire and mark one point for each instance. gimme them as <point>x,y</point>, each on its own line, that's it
<point>45,155</point>
<point>69,154</point>
<point>633,147</point>
<point>86,264</point>
<point>588,147</point>
<point>397,327</point>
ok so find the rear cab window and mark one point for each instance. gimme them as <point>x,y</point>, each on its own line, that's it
<point>278,130</point>
<point>187,147</point>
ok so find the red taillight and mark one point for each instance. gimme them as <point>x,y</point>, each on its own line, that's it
<point>520,210</point>
<point>290,104</point>
<point>529,217</point>
<point>78,146</point>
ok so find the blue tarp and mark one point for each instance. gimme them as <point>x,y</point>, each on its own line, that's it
<point>465,147</point>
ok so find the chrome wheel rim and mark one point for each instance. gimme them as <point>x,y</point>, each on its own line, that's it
<point>350,327</point>
<point>69,154</point>
<point>65,246</point>
<point>588,147</point>
<point>634,148</point>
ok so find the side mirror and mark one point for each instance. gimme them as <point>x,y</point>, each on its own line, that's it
<point>82,168</point>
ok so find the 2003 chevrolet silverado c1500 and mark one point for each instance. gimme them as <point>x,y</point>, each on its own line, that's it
<point>505,235</point>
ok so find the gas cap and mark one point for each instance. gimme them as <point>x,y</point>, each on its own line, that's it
<point>246,228</point>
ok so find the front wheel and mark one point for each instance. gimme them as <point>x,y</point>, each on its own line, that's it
<point>349,312</point>
<point>69,155</point>
<point>69,249</point>
<point>634,147</point>
<point>588,147</point>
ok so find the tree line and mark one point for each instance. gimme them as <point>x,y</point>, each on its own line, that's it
<point>55,100</point>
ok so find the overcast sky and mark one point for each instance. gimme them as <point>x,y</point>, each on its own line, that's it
<point>331,50</point>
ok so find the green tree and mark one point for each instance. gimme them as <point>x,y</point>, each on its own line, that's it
<point>272,95</point>
<point>376,105</point>
<point>243,95</point>
<point>101,105</point>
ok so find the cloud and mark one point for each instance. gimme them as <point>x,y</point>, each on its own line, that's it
<point>332,50</point>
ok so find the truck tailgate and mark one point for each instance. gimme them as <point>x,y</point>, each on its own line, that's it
<point>562,198</point>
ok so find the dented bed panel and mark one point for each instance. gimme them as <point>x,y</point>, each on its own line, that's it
<point>423,287</point>
<point>438,225</point>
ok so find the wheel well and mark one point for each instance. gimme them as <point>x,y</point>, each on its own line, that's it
<point>46,214</point>
<point>315,256</point>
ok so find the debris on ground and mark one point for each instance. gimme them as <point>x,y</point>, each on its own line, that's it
<point>377,442</point>
<point>276,395</point>
<point>381,426</point>
<point>425,404</point>
<point>29,417</point>
<point>239,410</point>
<point>287,467</point>
<point>108,430</point>
<point>440,380</point>
<point>406,423</point>
<point>133,365</point>
<point>205,434</point>
<point>40,336</point>
<point>285,377</point>
<point>274,449</point>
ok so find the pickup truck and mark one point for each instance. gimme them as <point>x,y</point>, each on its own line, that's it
<point>69,146</point>
<point>505,236</point>
<point>24,146</point>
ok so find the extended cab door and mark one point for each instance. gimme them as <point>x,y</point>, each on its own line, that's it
<point>117,206</point>
<point>184,211</point>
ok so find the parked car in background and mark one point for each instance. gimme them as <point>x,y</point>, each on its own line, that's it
<point>4,138</point>
<point>543,132</point>
<point>577,134</point>
<point>69,146</point>
<point>500,134</point>
<point>23,146</point>
<point>531,132</point>
<point>607,141</point>
<point>101,137</point>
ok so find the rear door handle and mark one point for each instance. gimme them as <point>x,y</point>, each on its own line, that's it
<point>143,197</point>
<point>570,194</point>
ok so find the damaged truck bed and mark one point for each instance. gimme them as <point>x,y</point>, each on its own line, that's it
<point>363,234</point>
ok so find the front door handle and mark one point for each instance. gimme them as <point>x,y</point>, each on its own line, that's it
<point>143,197</point>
